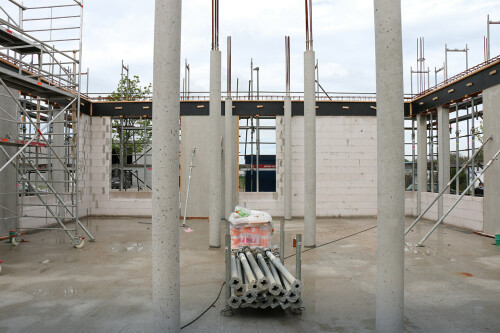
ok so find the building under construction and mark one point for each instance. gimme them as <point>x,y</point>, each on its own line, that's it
<point>384,206</point>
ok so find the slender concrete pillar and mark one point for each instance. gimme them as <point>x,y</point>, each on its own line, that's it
<point>390,171</point>
<point>215,160</point>
<point>166,113</point>
<point>288,159</point>
<point>228,157</point>
<point>444,153</point>
<point>421,159</point>
<point>491,110</point>
<point>309,150</point>
<point>59,176</point>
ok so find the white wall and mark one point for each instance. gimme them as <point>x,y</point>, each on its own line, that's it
<point>468,214</point>
<point>346,157</point>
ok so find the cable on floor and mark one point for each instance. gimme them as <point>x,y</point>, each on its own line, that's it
<point>312,248</point>
<point>333,241</point>
<point>211,305</point>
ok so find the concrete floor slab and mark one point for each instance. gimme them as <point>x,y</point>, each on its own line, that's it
<point>451,285</point>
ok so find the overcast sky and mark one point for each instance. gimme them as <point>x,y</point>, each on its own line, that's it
<point>343,39</point>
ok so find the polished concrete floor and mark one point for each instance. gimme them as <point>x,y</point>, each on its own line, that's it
<point>452,284</point>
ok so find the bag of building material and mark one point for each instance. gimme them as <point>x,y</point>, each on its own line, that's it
<point>243,215</point>
<point>250,228</point>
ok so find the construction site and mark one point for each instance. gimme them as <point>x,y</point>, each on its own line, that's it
<point>164,208</point>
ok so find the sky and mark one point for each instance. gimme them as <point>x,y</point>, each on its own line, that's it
<point>343,40</point>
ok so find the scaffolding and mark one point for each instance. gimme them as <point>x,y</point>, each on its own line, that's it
<point>40,68</point>
<point>131,153</point>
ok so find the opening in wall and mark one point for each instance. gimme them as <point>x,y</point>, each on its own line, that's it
<point>257,154</point>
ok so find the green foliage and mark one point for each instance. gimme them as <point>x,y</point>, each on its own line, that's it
<point>133,140</point>
<point>131,90</point>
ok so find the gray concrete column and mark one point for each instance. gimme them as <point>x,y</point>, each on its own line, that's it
<point>421,159</point>
<point>228,157</point>
<point>165,178</point>
<point>288,159</point>
<point>59,175</point>
<point>215,160</point>
<point>309,150</point>
<point>491,121</point>
<point>390,171</point>
<point>443,117</point>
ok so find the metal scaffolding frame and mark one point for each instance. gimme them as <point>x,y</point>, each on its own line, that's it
<point>467,114</point>
<point>251,126</point>
<point>130,160</point>
<point>40,55</point>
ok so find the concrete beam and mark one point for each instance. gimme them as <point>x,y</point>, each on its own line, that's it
<point>421,159</point>
<point>491,120</point>
<point>390,172</point>
<point>215,172</point>
<point>309,150</point>
<point>443,115</point>
<point>165,179</point>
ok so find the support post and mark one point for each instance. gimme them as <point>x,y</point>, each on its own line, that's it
<point>421,159</point>
<point>390,173</point>
<point>288,159</point>
<point>491,111</point>
<point>309,150</point>
<point>215,149</point>
<point>228,157</point>
<point>443,115</point>
<point>165,202</point>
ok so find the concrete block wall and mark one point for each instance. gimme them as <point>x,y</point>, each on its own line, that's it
<point>468,214</point>
<point>346,157</point>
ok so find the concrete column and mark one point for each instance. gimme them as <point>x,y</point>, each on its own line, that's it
<point>390,171</point>
<point>421,159</point>
<point>288,159</point>
<point>444,153</point>
<point>58,173</point>
<point>215,166</point>
<point>228,157</point>
<point>309,150</point>
<point>165,178</point>
<point>491,121</point>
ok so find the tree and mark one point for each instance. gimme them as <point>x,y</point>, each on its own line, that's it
<point>134,141</point>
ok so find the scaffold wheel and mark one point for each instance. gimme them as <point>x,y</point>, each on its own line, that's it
<point>78,243</point>
<point>16,240</point>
